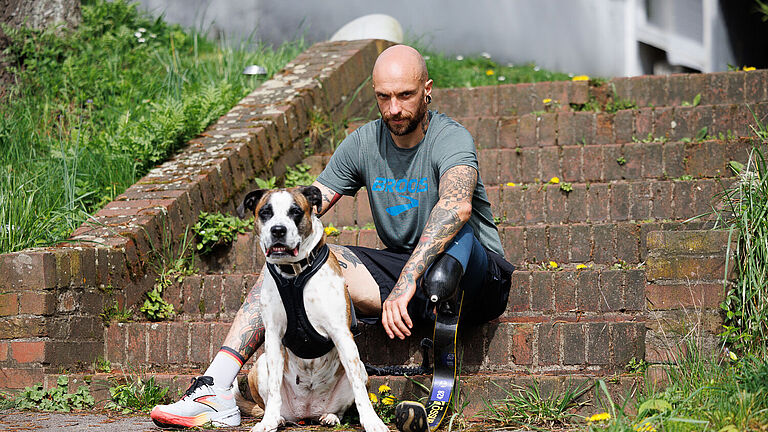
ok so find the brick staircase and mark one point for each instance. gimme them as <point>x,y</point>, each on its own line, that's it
<point>628,268</point>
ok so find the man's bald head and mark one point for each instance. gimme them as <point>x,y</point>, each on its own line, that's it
<point>400,62</point>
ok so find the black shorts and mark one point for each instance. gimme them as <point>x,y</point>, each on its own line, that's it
<point>480,305</point>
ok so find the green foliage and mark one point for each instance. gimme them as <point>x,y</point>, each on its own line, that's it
<point>458,71</point>
<point>566,187</point>
<point>746,213</point>
<point>102,365</point>
<point>215,229</point>
<point>137,396</point>
<point>528,407</point>
<point>269,183</point>
<point>93,109</point>
<point>298,175</point>
<point>636,366</point>
<point>155,307</point>
<point>621,160</point>
<point>696,101</point>
<point>113,313</point>
<point>54,399</point>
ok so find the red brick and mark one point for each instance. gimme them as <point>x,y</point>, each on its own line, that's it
<point>686,268</point>
<point>627,241</point>
<point>514,204</point>
<point>115,343</point>
<point>363,208</point>
<point>547,129</point>
<point>598,347</point>
<point>686,295</point>
<point>522,344</point>
<point>623,126</point>
<point>565,131</point>
<point>581,243</point>
<point>627,342</point>
<point>526,133</point>
<point>577,204</point>
<point>367,238</point>
<point>542,291</point>
<point>604,250</point>
<point>587,291</point>
<point>28,352</point>
<point>36,303</point>
<point>508,132</point>
<point>640,194</point>
<point>4,351</point>
<point>179,342</point>
<point>509,168</point>
<point>158,343</point>
<point>634,158</point>
<point>519,293</point>
<point>620,201</point>
<point>514,244</point>
<point>611,287</point>
<point>536,244</point>
<point>565,291</point>
<point>571,162</point>
<point>200,335</point>
<point>598,202</point>
<point>755,86</point>
<point>549,343</point>
<point>9,304</point>
<point>18,378</point>
<point>604,128</point>
<point>499,352</point>
<point>558,243</point>
<point>192,289</point>
<point>662,122</point>
<point>550,163</point>
<point>578,92</point>
<point>136,346</point>
<point>556,204</point>
<point>674,160</point>
<point>574,344</point>
<point>489,166</point>
<point>211,296</point>
<point>612,170</point>
<point>653,160</point>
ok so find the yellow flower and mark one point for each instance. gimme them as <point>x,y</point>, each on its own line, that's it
<point>331,231</point>
<point>645,427</point>
<point>748,68</point>
<point>510,184</point>
<point>546,101</point>
<point>554,180</point>
<point>552,264</point>
<point>732,355</point>
<point>580,78</point>
<point>388,400</point>
<point>489,72</point>
<point>599,417</point>
<point>581,266</point>
<point>384,389</point>
<point>373,398</point>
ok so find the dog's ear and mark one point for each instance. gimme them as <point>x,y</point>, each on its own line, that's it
<point>249,203</point>
<point>313,195</point>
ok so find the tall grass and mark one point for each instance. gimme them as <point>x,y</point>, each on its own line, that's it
<point>746,305</point>
<point>94,109</point>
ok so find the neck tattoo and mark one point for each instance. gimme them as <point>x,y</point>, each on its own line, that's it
<point>425,124</point>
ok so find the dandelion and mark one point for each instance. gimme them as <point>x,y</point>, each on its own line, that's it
<point>489,72</point>
<point>502,78</point>
<point>459,57</point>
<point>373,398</point>
<point>645,427</point>
<point>599,417</point>
<point>581,266</point>
<point>485,55</point>
<point>553,265</point>
<point>546,101</point>
<point>510,184</point>
<point>388,400</point>
<point>580,78</point>
<point>748,68</point>
<point>384,388</point>
<point>331,231</point>
<point>554,180</point>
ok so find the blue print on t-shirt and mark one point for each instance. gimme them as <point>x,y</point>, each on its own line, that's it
<point>399,187</point>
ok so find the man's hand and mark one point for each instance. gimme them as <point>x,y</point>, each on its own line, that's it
<point>394,311</point>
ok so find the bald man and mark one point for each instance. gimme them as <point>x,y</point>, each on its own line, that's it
<point>431,212</point>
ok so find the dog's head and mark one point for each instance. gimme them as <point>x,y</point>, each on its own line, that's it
<point>284,220</point>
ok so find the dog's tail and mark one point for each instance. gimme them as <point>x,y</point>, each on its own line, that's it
<point>245,400</point>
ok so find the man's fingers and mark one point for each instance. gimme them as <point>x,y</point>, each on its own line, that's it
<point>386,322</point>
<point>406,318</point>
<point>399,313</point>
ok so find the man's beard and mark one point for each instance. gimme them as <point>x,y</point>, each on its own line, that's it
<point>411,123</point>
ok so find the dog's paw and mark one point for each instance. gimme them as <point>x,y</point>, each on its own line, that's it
<point>373,424</point>
<point>330,420</point>
<point>268,425</point>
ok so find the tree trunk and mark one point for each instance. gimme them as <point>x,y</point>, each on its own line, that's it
<point>40,14</point>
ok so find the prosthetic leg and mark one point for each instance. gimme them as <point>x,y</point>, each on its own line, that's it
<point>441,286</point>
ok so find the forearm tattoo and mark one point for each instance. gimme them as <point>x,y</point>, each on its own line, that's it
<point>329,199</point>
<point>248,323</point>
<point>347,255</point>
<point>457,186</point>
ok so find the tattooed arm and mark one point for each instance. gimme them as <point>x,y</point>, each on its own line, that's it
<point>329,197</point>
<point>451,212</point>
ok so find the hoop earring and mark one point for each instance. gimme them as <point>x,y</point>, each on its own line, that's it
<point>429,99</point>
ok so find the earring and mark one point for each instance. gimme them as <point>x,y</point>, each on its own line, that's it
<point>429,99</point>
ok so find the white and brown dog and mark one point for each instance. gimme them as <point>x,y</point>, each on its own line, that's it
<point>310,369</point>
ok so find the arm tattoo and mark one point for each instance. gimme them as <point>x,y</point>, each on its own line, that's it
<point>248,322</point>
<point>457,186</point>
<point>345,254</point>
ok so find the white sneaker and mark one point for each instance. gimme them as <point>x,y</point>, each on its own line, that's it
<point>202,403</point>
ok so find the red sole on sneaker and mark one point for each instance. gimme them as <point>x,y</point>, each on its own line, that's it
<point>166,420</point>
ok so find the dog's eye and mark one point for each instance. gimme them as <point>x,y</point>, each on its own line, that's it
<point>295,211</point>
<point>265,212</point>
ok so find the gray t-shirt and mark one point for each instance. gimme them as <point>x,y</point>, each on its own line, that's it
<point>402,184</point>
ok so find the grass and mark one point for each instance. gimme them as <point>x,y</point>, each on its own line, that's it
<point>93,110</point>
<point>459,71</point>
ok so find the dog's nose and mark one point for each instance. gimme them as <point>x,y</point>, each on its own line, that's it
<point>278,231</point>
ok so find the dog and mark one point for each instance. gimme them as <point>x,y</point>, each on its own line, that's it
<point>310,369</point>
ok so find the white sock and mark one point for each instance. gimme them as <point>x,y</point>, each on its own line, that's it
<point>224,367</point>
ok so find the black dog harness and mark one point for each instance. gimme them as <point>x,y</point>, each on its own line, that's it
<point>300,337</point>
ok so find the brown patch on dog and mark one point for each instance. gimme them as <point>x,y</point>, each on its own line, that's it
<point>263,201</point>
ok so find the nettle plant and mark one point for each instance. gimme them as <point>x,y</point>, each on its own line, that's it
<point>216,229</point>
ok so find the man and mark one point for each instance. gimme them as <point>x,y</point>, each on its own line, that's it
<point>421,174</point>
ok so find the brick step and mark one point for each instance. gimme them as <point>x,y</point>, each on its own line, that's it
<point>540,303</point>
<point>476,389</point>
<point>596,202</point>
<point>676,90</point>
<point>597,243</point>
<point>603,163</point>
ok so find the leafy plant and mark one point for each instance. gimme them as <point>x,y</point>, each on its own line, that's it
<point>215,229</point>
<point>621,160</point>
<point>102,365</point>
<point>298,175</point>
<point>269,183</point>
<point>566,187</point>
<point>696,101</point>
<point>113,313</point>
<point>526,406</point>
<point>54,399</point>
<point>137,396</point>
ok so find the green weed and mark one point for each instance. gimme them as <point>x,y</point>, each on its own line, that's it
<point>298,175</point>
<point>94,109</point>
<point>527,406</point>
<point>138,395</point>
<point>113,313</point>
<point>269,183</point>
<point>216,229</point>
<point>53,399</point>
